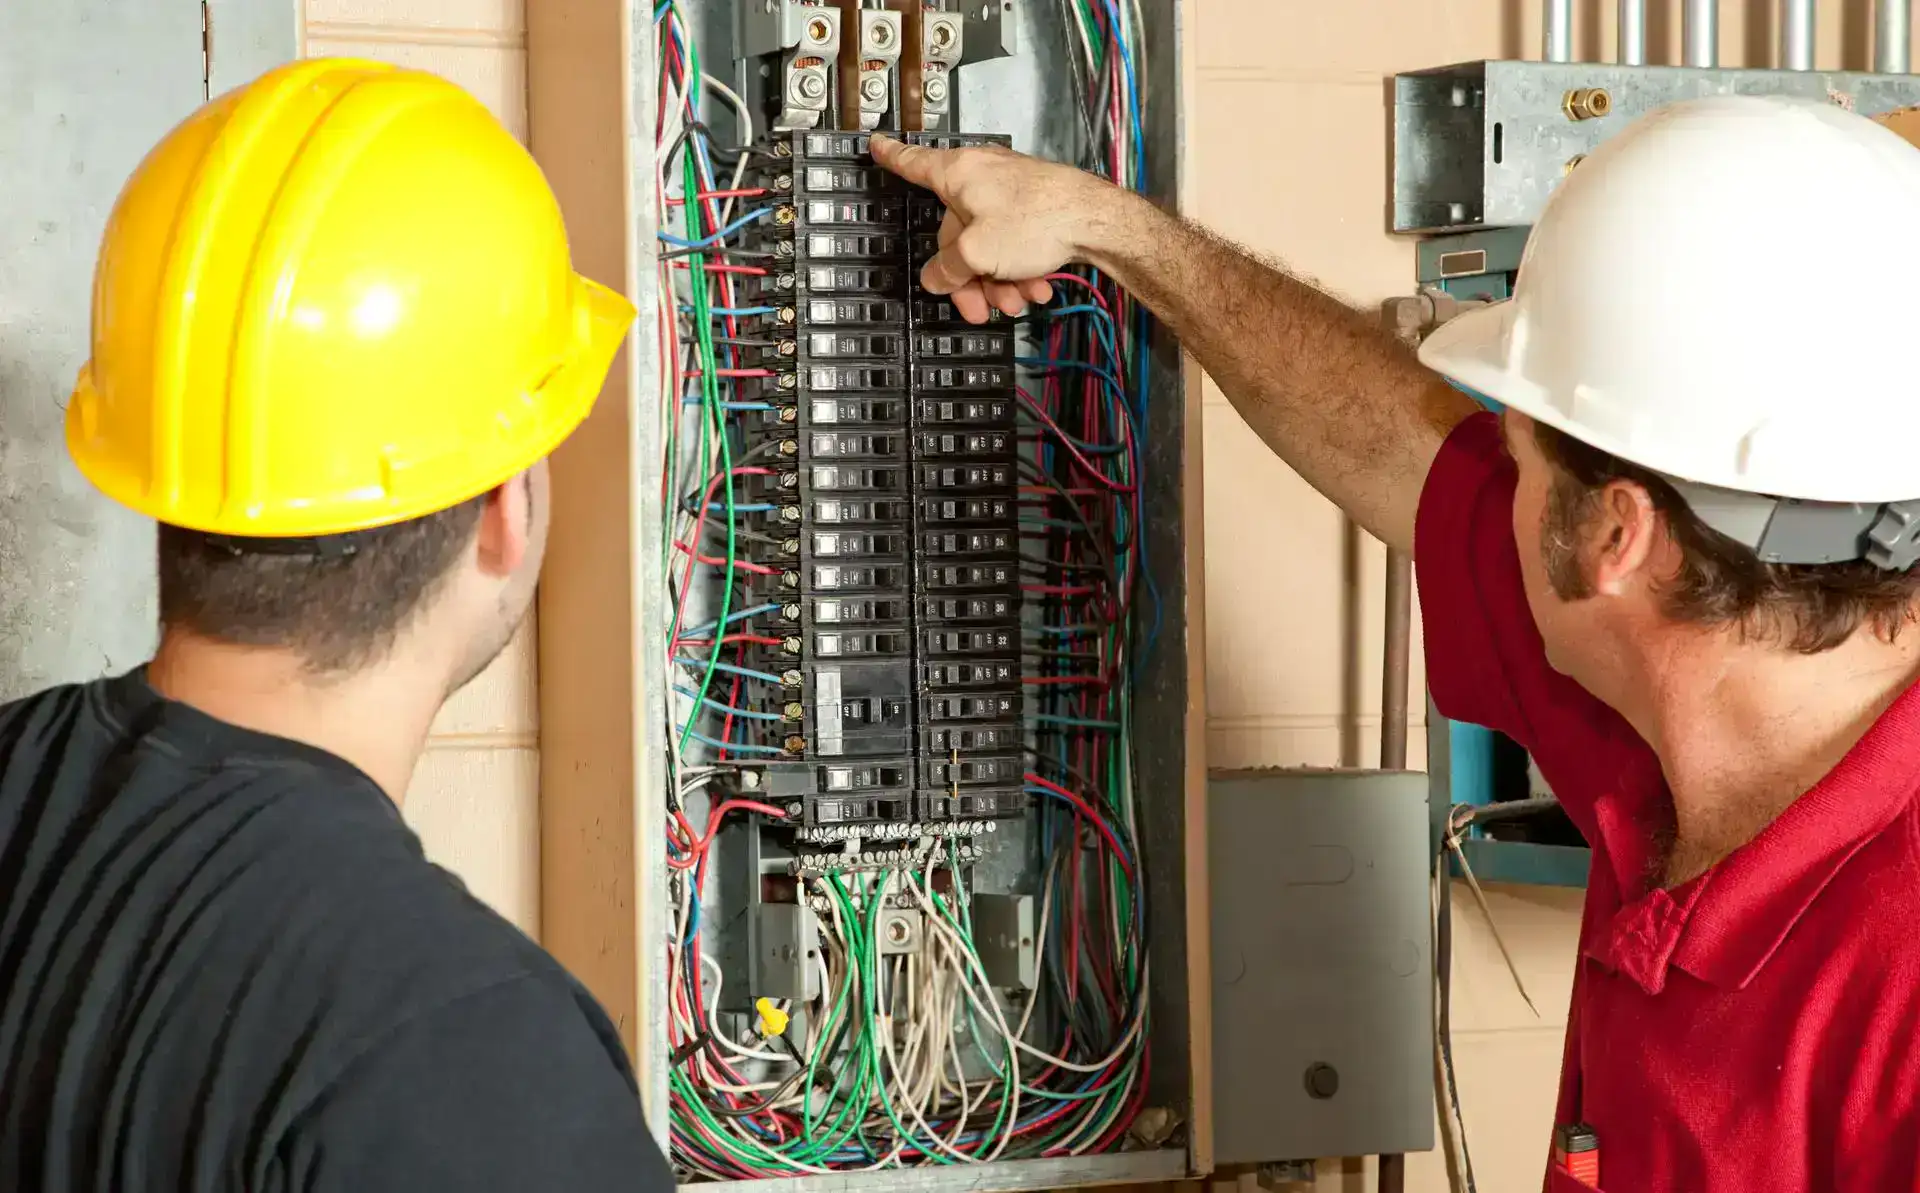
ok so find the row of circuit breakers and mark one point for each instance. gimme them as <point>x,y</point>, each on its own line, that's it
<point>893,502</point>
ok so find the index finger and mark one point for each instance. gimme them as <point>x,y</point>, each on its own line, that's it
<point>915,163</point>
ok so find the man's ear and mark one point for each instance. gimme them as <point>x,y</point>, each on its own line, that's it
<point>506,522</point>
<point>1627,540</point>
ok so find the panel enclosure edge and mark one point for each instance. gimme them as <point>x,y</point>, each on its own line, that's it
<point>1166,726</point>
<point>1482,144</point>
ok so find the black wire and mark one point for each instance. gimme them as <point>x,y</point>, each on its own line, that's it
<point>1073,507</point>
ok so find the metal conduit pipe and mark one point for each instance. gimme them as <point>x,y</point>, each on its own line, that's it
<point>1633,32</point>
<point>1796,34</point>
<point>1557,31</point>
<point>1892,35</point>
<point>1700,31</point>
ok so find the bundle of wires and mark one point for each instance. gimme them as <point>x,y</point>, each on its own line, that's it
<point>901,1060</point>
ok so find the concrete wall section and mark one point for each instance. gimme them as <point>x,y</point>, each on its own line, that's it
<point>86,86</point>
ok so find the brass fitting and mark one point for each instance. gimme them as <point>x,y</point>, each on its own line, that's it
<point>1586,103</point>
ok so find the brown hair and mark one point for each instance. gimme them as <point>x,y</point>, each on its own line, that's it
<point>1805,607</point>
<point>338,609</point>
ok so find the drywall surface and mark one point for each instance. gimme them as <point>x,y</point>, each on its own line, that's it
<point>86,87</point>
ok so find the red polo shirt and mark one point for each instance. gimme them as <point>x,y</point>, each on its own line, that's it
<point>1755,1029</point>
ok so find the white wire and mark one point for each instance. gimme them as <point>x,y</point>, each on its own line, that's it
<point>746,138</point>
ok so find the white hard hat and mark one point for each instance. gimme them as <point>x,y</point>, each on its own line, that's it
<point>1720,293</point>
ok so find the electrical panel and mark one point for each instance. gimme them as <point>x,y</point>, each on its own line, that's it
<point>916,829</point>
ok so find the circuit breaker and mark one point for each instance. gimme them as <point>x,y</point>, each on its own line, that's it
<point>887,515</point>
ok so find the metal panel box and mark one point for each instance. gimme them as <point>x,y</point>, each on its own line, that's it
<point>1485,143</point>
<point>1323,964</point>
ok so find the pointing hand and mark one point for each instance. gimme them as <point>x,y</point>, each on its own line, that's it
<point>1011,220</point>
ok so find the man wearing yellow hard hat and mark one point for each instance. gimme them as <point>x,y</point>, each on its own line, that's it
<point>336,333</point>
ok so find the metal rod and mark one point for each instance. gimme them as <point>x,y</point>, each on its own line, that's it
<point>1700,30</point>
<point>1393,1173</point>
<point>1633,32</point>
<point>1892,36</point>
<point>1396,661</point>
<point>1796,34</point>
<point>1557,28</point>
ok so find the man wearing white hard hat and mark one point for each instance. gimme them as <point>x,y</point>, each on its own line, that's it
<point>1679,569</point>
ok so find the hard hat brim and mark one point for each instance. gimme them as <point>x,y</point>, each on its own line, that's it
<point>1471,350</point>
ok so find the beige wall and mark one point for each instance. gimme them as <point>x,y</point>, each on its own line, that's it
<point>475,798</point>
<point>1289,109</point>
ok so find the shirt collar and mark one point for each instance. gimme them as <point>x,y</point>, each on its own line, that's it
<point>1738,913</point>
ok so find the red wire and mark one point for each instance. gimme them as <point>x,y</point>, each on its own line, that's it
<point>1085,464</point>
<point>758,639</point>
<point>743,193</point>
<point>700,524</point>
<point>758,569</point>
<point>1094,818</point>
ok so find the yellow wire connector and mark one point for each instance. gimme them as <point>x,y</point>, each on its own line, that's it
<point>773,1020</point>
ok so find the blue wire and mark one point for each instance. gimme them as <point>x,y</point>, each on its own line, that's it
<point>736,311</point>
<point>756,611</point>
<point>710,702</point>
<point>1056,363</point>
<point>729,668</point>
<point>730,406</point>
<point>1077,722</point>
<point>759,213</point>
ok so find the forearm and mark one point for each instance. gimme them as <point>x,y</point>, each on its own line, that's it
<point>1337,397</point>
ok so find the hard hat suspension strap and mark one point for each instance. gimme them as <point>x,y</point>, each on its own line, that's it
<point>332,546</point>
<point>1792,531</point>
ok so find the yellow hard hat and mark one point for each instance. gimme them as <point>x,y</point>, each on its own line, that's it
<point>335,298</point>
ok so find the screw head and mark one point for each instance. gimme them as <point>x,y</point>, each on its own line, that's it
<point>935,89</point>
<point>880,33</point>
<point>942,34</point>
<point>1322,1080</point>
<point>819,29</point>
<point>873,87</point>
<point>809,85</point>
